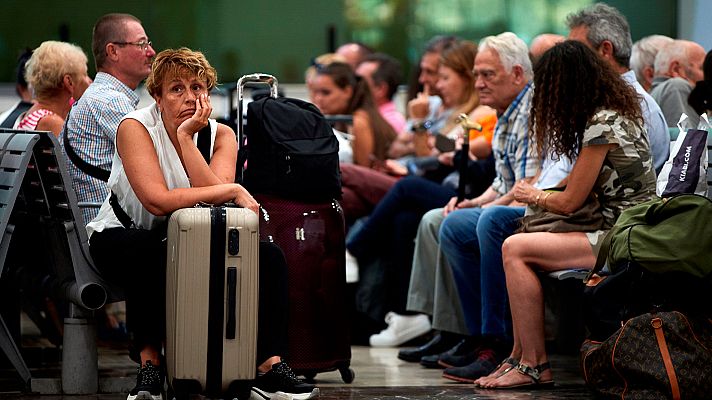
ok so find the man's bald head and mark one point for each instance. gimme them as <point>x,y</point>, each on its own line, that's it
<point>681,59</point>
<point>354,53</point>
<point>541,43</point>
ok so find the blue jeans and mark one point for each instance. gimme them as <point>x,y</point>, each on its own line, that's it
<point>471,239</point>
<point>389,233</point>
<point>409,198</point>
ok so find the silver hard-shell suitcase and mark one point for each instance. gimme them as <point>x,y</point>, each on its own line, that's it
<point>212,300</point>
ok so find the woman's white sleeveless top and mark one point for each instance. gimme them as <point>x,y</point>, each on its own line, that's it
<point>173,173</point>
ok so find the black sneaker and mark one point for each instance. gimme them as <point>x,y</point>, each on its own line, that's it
<point>149,383</point>
<point>281,383</point>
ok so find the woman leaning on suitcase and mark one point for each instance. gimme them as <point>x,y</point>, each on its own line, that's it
<point>155,156</point>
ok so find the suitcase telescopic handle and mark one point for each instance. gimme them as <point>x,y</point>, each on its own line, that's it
<point>240,123</point>
<point>241,83</point>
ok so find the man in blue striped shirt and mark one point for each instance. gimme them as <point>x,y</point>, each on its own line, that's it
<point>123,56</point>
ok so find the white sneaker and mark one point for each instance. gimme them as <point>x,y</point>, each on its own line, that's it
<point>401,328</point>
<point>351,268</point>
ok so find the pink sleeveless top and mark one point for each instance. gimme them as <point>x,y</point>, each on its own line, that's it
<point>30,121</point>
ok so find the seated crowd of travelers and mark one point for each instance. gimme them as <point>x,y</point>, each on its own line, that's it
<point>432,196</point>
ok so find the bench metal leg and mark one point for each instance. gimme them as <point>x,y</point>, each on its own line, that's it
<point>80,366</point>
<point>13,354</point>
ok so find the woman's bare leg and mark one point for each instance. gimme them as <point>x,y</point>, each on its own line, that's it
<point>523,255</point>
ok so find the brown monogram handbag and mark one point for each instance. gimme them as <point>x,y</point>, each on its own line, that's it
<point>664,355</point>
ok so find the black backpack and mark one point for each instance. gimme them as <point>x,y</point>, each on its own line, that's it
<point>292,151</point>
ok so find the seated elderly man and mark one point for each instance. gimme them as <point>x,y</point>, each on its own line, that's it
<point>457,273</point>
<point>642,58</point>
<point>678,67</point>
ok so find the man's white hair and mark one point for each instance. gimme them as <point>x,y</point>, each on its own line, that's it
<point>677,50</point>
<point>644,52</point>
<point>512,51</point>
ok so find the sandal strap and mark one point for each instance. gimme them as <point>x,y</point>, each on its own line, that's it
<point>533,372</point>
<point>510,361</point>
<point>506,370</point>
<point>513,362</point>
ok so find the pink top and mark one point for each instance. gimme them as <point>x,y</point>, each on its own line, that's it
<point>29,122</point>
<point>393,116</point>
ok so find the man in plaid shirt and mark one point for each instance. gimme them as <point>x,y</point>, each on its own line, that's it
<point>457,275</point>
<point>123,56</point>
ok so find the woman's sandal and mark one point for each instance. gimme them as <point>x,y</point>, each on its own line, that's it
<point>511,361</point>
<point>534,373</point>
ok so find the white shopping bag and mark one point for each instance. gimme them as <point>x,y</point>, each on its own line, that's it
<point>686,169</point>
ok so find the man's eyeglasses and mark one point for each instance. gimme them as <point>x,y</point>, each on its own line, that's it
<point>143,44</point>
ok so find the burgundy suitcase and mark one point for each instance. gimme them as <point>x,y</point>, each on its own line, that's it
<point>312,237</point>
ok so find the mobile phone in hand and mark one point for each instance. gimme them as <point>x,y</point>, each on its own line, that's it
<point>444,144</point>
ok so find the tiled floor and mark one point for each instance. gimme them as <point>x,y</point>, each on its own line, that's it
<point>379,375</point>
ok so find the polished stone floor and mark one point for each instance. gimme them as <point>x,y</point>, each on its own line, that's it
<point>379,375</point>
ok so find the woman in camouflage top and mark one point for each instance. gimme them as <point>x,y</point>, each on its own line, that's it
<point>583,110</point>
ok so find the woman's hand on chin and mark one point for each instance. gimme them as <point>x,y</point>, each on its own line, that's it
<point>199,119</point>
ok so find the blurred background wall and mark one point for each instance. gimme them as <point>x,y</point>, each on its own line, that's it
<point>282,36</point>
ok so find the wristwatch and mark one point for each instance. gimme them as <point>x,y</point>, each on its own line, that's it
<point>423,126</point>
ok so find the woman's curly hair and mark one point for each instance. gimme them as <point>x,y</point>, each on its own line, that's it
<point>572,83</point>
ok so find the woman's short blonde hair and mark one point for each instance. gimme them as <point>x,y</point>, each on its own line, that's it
<point>49,63</point>
<point>171,63</point>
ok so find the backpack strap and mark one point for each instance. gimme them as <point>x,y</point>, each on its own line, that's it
<point>89,169</point>
<point>204,136</point>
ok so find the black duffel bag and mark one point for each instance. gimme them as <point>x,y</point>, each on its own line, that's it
<point>292,151</point>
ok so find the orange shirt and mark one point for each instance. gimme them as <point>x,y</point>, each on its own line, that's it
<point>488,122</point>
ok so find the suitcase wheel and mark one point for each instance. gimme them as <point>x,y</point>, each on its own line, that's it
<point>172,395</point>
<point>347,374</point>
<point>309,377</point>
<point>183,389</point>
<point>240,390</point>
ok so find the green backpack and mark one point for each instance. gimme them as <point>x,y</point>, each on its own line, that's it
<point>672,234</point>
